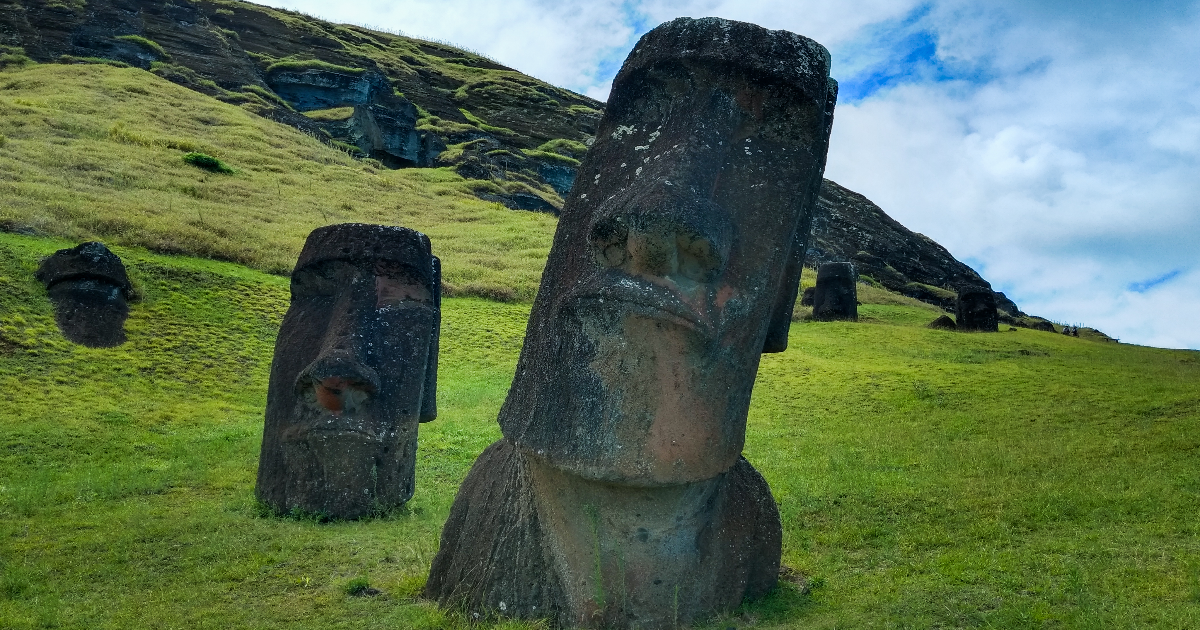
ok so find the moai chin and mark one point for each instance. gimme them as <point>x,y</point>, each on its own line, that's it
<point>355,371</point>
<point>90,291</point>
<point>836,294</point>
<point>976,309</point>
<point>618,496</point>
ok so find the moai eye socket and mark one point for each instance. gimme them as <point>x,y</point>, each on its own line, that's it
<point>324,279</point>
<point>396,284</point>
<point>609,239</point>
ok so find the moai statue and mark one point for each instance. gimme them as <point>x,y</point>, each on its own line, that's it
<point>942,323</point>
<point>836,294</point>
<point>355,371</point>
<point>618,496</point>
<point>806,298</point>
<point>976,309</point>
<point>90,292</point>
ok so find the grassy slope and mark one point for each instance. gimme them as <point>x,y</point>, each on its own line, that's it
<point>95,152</point>
<point>926,479</point>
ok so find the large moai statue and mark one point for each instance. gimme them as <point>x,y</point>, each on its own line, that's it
<point>836,295</point>
<point>618,496</point>
<point>355,371</point>
<point>90,291</point>
<point>976,309</point>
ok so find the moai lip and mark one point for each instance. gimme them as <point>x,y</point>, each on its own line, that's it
<point>354,373</point>
<point>975,309</point>
<point>836,294</point>
<point>618,496</point>
<point>90,291</point>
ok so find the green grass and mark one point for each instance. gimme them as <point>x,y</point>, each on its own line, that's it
<point>93,152</point>
<point>146,44</point>
<point>208,163</point>
<point>336,113</point>
<point>925,478</point>
<point>299,65</point>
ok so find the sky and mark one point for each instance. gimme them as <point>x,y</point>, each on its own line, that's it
<point>1054,146</point>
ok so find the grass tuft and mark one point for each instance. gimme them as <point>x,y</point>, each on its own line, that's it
<point>207,162</point>
<point>299,65</point>
<point>148,45</point>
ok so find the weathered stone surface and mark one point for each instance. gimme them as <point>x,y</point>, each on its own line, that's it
<point>90,291</point>
<point>806,298</point>
<point>836,295</point>
<point>943,323</point>
<point>355,370</point>
<point>975,309</point>
<point>674,266</point>
<point>520,531</point>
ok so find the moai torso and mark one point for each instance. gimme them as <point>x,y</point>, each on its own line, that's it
<point>618,495</point>
<point>355,371</point>
<point>90,291</point>
<point>836,294</point>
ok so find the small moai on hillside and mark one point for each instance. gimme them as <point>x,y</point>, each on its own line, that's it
<point>1043,326</point>
<point>806,297</point>
<point>90,291</point>
<point>836,294</point>
<point>618,496</point>
<point>976,309</point>
<point>355,371</point>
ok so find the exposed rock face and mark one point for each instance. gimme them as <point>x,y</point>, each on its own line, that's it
<point>355,371</point>
<point>850,228</point>
<point>90,291</point>
<point>618,496</point>
<point>283,65</point>
<point>976,309</point>
<point>836,295</point>
<point>943,323</point>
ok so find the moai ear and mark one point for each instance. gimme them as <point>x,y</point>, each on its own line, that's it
<point>429,392</point>
<point>785,301</point>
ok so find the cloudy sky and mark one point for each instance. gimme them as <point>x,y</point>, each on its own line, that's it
<point>1052,145</point>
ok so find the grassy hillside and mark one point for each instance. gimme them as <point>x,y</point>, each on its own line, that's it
<point>95,152</point>
<point>925,478</point>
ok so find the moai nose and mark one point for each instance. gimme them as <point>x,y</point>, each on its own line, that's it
<point>338,383</point>
<point>662,246</point>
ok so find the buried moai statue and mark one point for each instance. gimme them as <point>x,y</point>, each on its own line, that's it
<point>975,309</point>
<point>90,291</point>
<point>355,371</point>
<point>836,295</point>
<point>618,496</point>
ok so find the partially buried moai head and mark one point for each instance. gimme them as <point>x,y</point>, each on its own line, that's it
<point>677,257</point>
<point>355,371</point>
<point>975,309</point>
<point>90,291</point>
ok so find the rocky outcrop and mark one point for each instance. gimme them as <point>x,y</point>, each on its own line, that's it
<point>851,228</point>
<point>412,99</point>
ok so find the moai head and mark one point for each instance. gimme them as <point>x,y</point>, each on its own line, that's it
<point>355,371</point>
<point>976,309</point>
<point>836,294</point>
<point>90,292</point>
<point>677,256</point>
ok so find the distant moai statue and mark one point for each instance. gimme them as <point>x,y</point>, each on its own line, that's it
<point>976,309</point>
<point>618,496</point>
<point>836,294</point>
<point>1043,325</point>
<point>355,371</point>
<point>90,291</point>
<point>806,297</point>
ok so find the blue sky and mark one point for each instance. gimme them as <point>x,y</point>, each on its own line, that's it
<point>1053,145</point>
